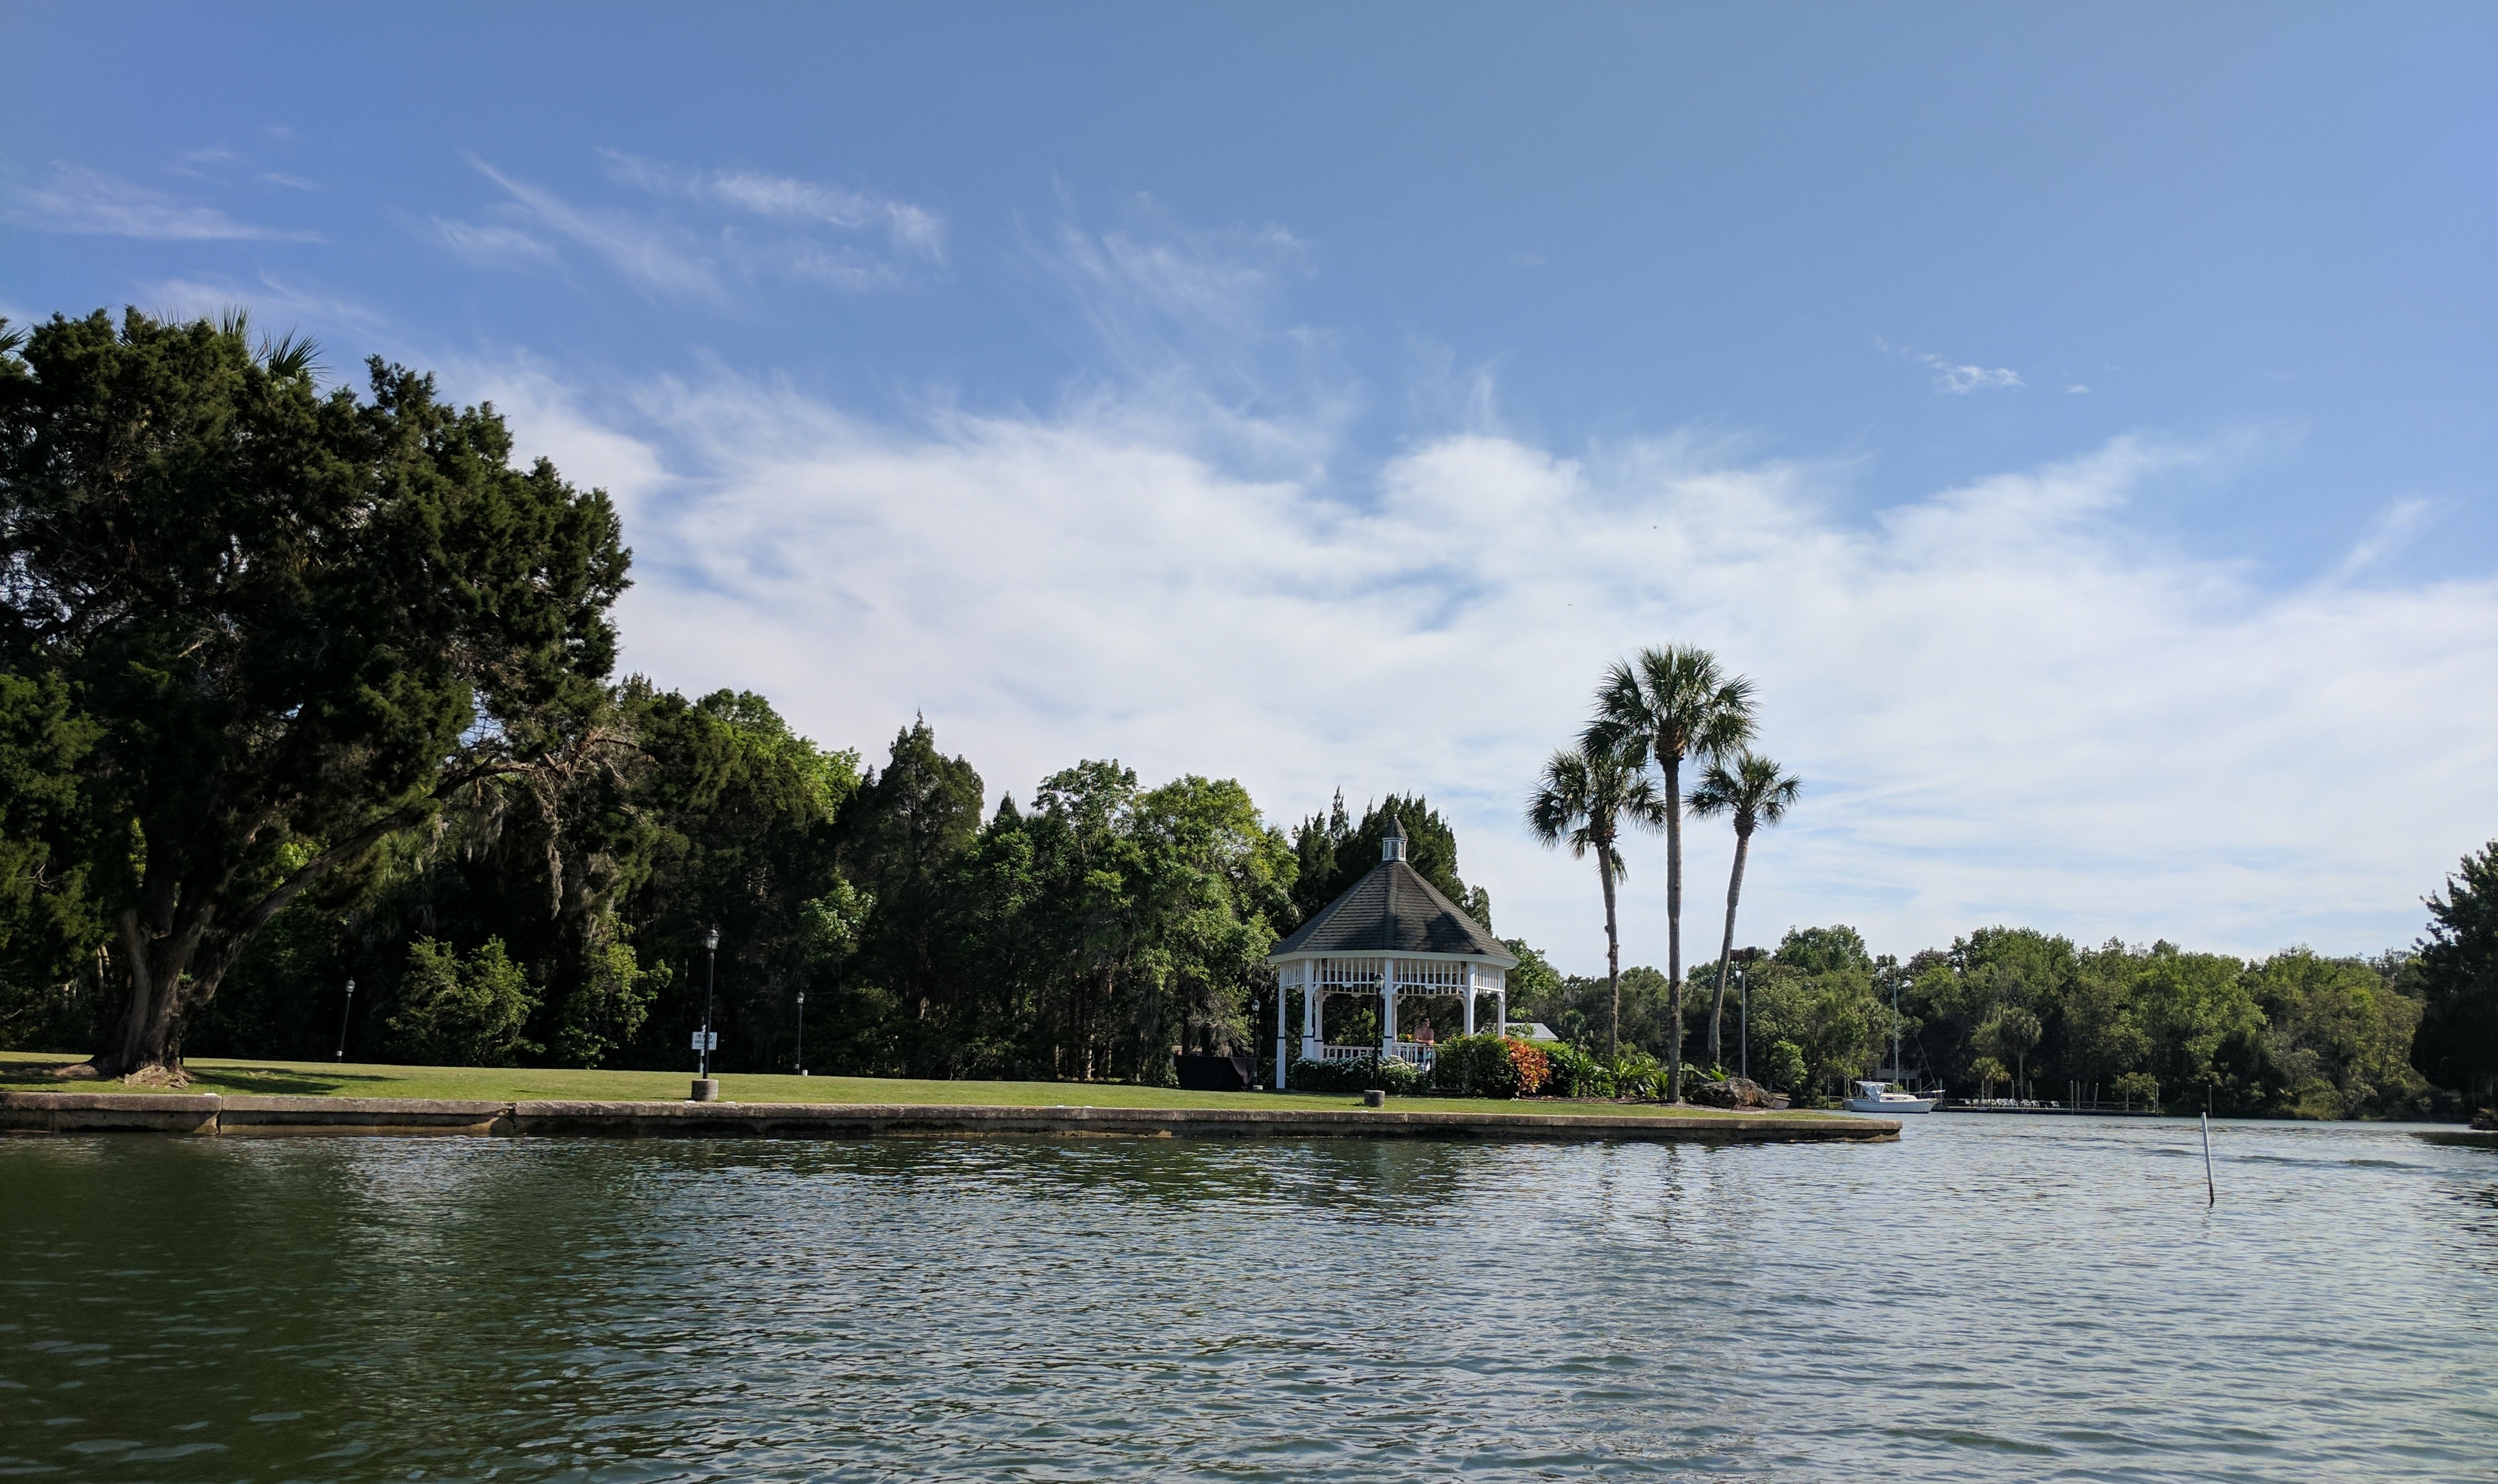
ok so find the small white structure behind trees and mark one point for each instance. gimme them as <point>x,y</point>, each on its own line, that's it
<point>1390,935</point>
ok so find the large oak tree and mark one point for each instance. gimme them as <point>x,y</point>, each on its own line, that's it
<point>297,623</point>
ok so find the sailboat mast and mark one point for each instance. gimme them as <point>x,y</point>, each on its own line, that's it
<point>1895,1024</point>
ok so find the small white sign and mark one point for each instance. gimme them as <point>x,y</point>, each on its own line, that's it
<point>706,1040</point>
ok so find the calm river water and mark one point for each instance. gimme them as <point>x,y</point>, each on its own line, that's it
<point>1992,1298</point>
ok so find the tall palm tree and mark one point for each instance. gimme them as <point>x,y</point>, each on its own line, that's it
<point>1668,705</point>
<point>1756,794</point>
<point>1587,797</point>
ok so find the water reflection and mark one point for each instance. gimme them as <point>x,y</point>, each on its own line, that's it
<point>1989,1298</point>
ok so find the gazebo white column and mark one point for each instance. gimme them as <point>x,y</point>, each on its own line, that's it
<point>1313,1010</point>
<point>1388,996</point>
<point>1470,999</point>
<point>1283,992</point>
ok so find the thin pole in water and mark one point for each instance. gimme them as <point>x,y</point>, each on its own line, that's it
<point>2211,1192</point>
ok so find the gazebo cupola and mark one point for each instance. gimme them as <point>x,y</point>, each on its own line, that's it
<point>1390,934</point>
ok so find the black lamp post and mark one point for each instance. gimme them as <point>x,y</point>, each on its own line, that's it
<point>802,1033</point>
<point>711,974</point>
<point>1743,1009</point>
<point>342,1020</point>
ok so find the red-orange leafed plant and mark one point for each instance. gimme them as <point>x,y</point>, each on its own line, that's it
<point>1534,1068</point>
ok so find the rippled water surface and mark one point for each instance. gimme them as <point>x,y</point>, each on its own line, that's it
<point>1991,1298</point>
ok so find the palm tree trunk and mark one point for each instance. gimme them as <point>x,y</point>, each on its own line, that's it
<point>1673,765</point>
<point>1613,954</point>
<point>1726,948</point>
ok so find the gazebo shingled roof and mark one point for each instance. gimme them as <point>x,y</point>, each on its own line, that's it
<point>1393,910</point>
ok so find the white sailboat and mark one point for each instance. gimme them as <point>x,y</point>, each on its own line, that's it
<point>1880,1098</point>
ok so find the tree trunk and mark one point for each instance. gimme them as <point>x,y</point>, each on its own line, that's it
<point>1726,948</point>
<point>1613,954</point>
<point>162,943</point>
<point>1673,765</point>
<point>149,1039</point>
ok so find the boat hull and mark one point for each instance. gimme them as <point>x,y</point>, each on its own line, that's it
<point>1892,1104</point>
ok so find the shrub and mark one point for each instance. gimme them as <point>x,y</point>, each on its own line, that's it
<point>1580,1072</point>
<point>1534,1068</point>
<point>460,1012</point>
<point>1476,1067</point>
<point>607,1008</point>
<point>1490,1066</point>
<point>1638,1075</point>
<point>1578,1075</point>
<point>1784,1068</point>
<point>1399,1079</point>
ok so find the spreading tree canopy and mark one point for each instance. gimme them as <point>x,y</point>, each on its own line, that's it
<point>295,623</point>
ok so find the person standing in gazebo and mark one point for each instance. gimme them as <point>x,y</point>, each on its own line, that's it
<point>1422,1033</point>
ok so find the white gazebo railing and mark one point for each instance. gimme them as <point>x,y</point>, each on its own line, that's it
<point>1403,1051</point>
<point>1391,977</point>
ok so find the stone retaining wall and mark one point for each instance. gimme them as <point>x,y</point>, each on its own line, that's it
<point>69,1113</point>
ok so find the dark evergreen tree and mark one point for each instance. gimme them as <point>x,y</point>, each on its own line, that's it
<point>899,839</point>
<point>1333,853</point>
<point>2456,1044</point>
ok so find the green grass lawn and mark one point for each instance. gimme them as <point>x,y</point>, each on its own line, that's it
<point>31,1072</point>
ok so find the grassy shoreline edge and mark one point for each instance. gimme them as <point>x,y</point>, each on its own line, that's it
<point>266,1096</point>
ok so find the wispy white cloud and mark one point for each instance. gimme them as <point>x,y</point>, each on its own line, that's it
<point>913,230</point>
<point>1961,380</point>
<point>809,231</point>
<point>494,245</point>
<point>654,256</point>
<point>2007,706</point>
<point>2395,529</point>
<point>1188,323</point>
<point>79,199</point>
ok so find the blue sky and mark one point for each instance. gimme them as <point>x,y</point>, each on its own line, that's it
<point>2078,418</point>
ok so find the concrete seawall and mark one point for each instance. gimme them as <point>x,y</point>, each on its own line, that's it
<point>79,1112</point>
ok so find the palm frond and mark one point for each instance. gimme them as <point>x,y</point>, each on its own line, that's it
<point>1673,701</point>
<point>294,355</point>
<point>1752,787</point>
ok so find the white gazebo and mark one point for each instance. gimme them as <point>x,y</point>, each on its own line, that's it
<point>1391,933</point>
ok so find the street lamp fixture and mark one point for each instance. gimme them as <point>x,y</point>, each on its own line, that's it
<point>706,1039</point>
<point>1744,1008</point>
<point>342,1021</point>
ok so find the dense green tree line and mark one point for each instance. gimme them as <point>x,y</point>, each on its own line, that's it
<point>300,688</point>
<point>2021,1012</point>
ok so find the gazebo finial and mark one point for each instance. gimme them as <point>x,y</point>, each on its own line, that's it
<point>1392,847</point>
